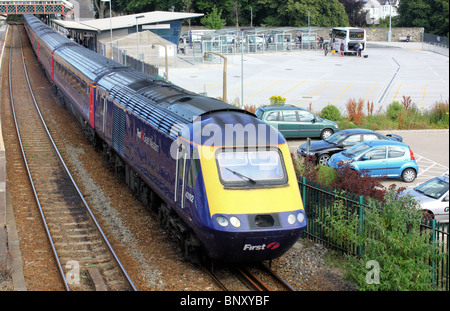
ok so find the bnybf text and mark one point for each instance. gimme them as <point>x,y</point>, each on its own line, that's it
<point>227,301</point>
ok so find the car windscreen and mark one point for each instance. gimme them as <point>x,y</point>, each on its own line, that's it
<point>336,138</point>
<point>434,188</point>
<point>356,150</point>
<point>251,167</point>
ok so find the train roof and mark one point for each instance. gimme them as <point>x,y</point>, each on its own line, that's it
<point>91,64</point>
<point>163,105</point>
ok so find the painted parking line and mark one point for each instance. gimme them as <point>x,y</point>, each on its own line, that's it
<point>396,93</point>
<point>239,87</point>
<point>264,89</point>
<point>423,97</point>
<point>370,92</point>
<point>284,94</point>
<point>309,97</point>
<point>429,168</point>
<point>342,93</point>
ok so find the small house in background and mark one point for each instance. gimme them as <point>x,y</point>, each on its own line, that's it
<point>380,9</point>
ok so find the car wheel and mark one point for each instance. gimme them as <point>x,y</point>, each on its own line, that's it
<point>323,159</point>
<point>326,133</point>
<point>409,175</point>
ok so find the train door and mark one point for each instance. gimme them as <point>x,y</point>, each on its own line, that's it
<point>180,178</point>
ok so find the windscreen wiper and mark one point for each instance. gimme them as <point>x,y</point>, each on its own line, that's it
<point>242,176</point>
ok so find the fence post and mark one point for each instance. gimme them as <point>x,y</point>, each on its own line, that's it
<point>433,239</point>
<point>304,192</point>
<point>361,220</point>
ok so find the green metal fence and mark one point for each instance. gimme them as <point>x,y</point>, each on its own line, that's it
<point>319,199</point>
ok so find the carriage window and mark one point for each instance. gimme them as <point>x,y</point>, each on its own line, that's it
<point>193,172</point>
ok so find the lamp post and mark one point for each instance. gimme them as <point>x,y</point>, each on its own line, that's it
<point>110,21</point>
<point>390,21</point>
<point>166,60</point>
<point>137,33</point>
<point>224,96</point>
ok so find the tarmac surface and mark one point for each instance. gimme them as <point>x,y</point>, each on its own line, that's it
<point>311,80</point>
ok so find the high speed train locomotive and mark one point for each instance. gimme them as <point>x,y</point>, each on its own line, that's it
<point>221,180</point>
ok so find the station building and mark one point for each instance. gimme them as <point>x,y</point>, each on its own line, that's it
<point>166,25</point>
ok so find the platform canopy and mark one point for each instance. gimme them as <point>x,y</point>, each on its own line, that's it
<point>19,7</point>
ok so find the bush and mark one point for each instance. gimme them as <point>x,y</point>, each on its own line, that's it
<point>439,114</point>
<point>393,110</point>
<point>355,111</point>
<point>395,250</point>
<point>331,112</point>
<point>326,175</point>
<point>359,183</point>
<point>277,100</point>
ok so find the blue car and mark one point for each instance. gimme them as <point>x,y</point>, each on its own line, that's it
<point>379,158</point>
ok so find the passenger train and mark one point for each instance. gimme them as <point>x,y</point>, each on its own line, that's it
<point>221,181</point>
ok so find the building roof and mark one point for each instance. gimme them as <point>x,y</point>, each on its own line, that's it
<point>126,21</point>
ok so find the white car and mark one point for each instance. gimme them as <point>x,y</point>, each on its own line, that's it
<point>433,197</point>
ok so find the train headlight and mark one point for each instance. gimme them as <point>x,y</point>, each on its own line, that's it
<point>300,217</point>
<point>291,219</point>
<point>222,221</point>
<point>235,221</point>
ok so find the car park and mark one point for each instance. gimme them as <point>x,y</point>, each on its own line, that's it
<point>433,197</point>
<point>379,158</point>
<point>296,122</point>
<point>322,150</point>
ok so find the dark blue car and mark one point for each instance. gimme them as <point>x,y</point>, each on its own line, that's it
<point>324,149</point>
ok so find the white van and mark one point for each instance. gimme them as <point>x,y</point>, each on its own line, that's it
<point>196,35</point>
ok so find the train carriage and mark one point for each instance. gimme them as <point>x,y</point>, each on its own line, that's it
<point>221,180</point>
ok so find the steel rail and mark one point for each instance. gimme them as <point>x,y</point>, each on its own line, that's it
<point>66,170</point>
<point>250,279</point>
<point>278,277</point>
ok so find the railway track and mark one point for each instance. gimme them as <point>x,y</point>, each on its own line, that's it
<point>255,277</point>
<point>85,258</point>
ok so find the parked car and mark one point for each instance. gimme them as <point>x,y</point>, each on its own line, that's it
<point>380,158</point>
<point>339,141</point>
<point>293,121</point>
<point>433,197</point>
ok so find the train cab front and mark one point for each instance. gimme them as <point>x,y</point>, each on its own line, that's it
<point>254,203</point>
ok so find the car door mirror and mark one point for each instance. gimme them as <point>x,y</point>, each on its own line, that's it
<point>365,158</point>
<point>446,198</point>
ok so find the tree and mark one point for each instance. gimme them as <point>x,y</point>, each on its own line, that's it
<point>213,20</point>
<point>354,10</point>
<point>429,14</point>
<point>295,13</point>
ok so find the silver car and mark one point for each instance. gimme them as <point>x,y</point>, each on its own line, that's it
<point>433,197</point>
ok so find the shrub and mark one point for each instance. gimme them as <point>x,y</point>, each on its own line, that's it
<point>439,114</point>
<point>326,175</point>
<point>395,250</point>
<point>393,110</point>
<point>355,111</point>
<point>331,112</point>
<point>250,108</point>
<point>277,100</point>
<point>358,183</point>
